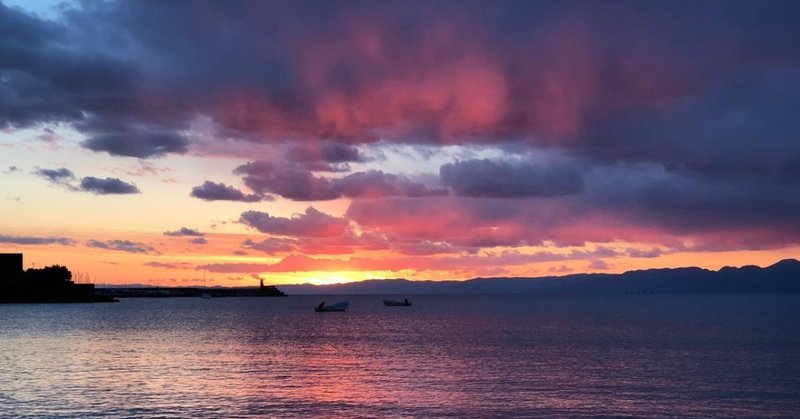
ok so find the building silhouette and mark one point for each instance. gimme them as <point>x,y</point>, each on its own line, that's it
<point>10,266</point>
<point>51,284</point>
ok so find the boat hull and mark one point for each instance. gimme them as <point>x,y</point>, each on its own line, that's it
<point>392,303</point>
<point>343,306</point>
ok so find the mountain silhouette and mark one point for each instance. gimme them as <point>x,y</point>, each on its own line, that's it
<point>782,277</point>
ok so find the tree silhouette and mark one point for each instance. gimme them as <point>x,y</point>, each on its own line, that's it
<point>55,273</point>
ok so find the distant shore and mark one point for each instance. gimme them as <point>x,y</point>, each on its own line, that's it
<point>781,277</point>
<point>174,292</point>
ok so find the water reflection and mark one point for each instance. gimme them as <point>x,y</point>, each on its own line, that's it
<point>475,356</point>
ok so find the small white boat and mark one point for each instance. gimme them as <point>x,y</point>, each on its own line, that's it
<point>333,307</point>
<point>396,303</point>
<point>206,296</point>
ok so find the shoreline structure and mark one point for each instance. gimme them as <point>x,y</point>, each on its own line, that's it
<point>53,284</point>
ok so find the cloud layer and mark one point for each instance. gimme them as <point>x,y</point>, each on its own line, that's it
<point>121,245</point>
<point>184,232</point>
<point>667,124</point>
<point>211,191</point>
<point>28,240</point>
<point>312,223</point>
<point>107,186</point>
<point>65,178</point>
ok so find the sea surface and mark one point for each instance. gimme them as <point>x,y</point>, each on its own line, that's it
<point>460,356</point>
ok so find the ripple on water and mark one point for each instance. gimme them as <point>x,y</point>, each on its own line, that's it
<point>690,355</point>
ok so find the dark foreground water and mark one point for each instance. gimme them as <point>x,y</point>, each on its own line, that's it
<point>474,356</point>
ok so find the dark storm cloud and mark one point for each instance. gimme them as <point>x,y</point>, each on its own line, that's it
<point>640,203</point>
<point>377,184</point>
<point>184,231</point>
<point>107,186</point>
<point>211,191</point>
<point>745,128</point>
<point>325,156</point>
<point>312,223</point>
<point>503,179</point>
<point>141,144</point>
<point>300,184</point>
<point>52,71</point>
<point>540,73</point>
<point>28,240</point>
<point>61,177</point>
<point>65,178</point>
<point>290,182</point>
<point>57,176</point>
<point>685,202</point>
<point>705,91</point>
<point>402,71</point>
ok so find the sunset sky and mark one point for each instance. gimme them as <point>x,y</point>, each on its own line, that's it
<point>155,142</point>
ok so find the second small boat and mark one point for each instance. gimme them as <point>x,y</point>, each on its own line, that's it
<point>333,307</point>
<point>396,303</point>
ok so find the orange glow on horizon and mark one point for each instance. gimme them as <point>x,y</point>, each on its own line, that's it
<point>183,267</point>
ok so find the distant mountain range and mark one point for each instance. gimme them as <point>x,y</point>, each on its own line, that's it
<point>782,277</point>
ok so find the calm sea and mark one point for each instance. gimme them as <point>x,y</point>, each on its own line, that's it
<point>466,356</point>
